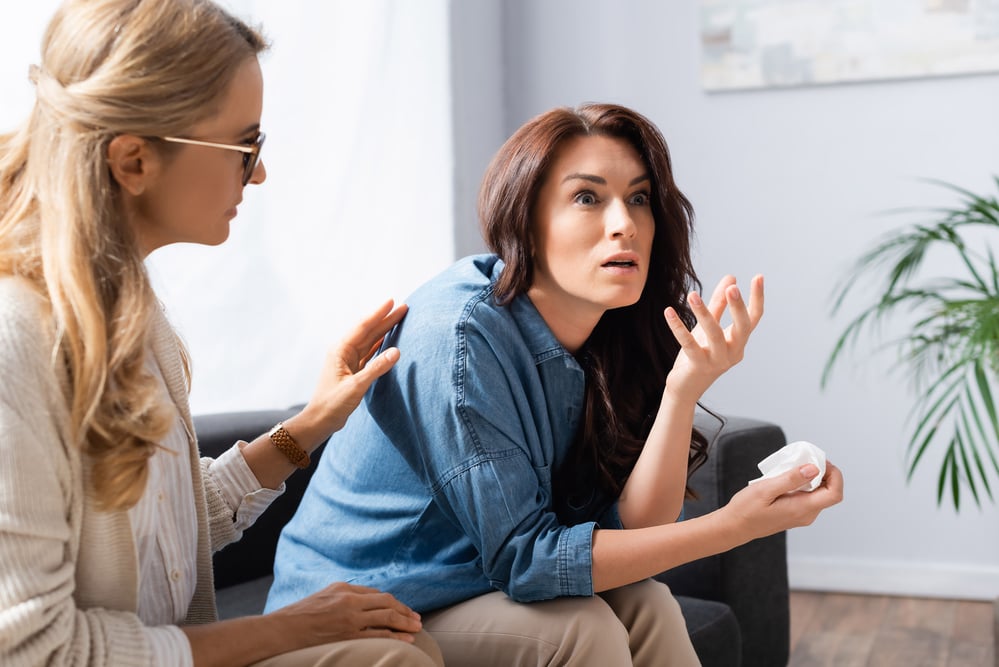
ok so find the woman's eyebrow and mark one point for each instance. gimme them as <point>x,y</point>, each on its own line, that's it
<point>586,177</point>
<point>255,127</point>
<point>602,181</point>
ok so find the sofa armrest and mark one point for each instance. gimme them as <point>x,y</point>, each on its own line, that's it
<point>252,556</point>
<point>752,578</point>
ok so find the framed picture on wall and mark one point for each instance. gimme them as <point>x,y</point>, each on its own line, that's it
<point>768,43</point>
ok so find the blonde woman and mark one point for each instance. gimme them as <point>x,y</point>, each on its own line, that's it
<point>145,131</point>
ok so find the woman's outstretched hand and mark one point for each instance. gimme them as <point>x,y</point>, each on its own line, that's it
<point>709,350</point>
<point>350,368</point>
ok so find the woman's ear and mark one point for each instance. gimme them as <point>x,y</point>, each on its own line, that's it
<point>133,163</point>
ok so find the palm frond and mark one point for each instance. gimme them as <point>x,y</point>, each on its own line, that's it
<point>951,346</point>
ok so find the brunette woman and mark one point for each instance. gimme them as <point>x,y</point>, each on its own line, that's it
<point>518,476</point>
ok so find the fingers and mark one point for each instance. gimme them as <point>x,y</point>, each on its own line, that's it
<point>373,328</point>
<point>391,619</point>
<point>827,494</point>
<point>756,299</point>
<point>378,600</point>
<point>718,298</point>
<point>745,316</point>
<point>707,321</point>
<point>376,368</point>
<point>788,481</point>
<point>679,329</point>
<point>383,615</point>
<point>346,611</point>
<point>832,484</point>
<point>742,324</point>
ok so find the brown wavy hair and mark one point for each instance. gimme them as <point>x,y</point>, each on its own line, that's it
<point>109,67</point>
<point>631,349</point>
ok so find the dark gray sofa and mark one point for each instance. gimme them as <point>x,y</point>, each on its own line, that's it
<point>735,604</point>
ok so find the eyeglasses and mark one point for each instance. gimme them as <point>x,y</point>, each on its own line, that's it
<point>251,154</point>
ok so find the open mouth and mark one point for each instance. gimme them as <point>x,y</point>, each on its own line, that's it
<point>620,263</point>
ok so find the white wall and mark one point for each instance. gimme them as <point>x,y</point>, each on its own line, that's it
<point>479,111</point>
<point>357,206</point>
<point>789,183</point>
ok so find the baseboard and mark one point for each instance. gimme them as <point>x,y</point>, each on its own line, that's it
<point>960,582</point>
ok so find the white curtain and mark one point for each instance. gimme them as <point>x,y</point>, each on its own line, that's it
<point>358,203</point>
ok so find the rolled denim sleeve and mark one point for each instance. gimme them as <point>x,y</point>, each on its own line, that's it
<point>525,552</point>
<point>497,479</point>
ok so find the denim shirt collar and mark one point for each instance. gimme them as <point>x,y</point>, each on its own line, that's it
<point>537,334</point>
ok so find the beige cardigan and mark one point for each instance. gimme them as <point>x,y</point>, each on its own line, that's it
<point>69,573</point>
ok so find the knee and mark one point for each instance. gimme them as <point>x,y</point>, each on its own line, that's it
<point>591,628</point>
<point>645,602</point>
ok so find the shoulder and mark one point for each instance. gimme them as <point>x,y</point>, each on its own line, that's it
<point>456,304</point>
<point>467,279</point>
<point>19,296</point>
<point>26,333</point>
<point>31,393</point>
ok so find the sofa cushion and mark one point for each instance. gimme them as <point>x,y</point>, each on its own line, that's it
<point>714,631</point>
<point>245,599</point>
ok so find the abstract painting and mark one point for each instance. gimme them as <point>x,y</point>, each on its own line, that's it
<point>766,43</point>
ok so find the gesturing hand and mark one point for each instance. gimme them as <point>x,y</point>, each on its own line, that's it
<point>709,350</point>
<point>350,369</point>
<point>344,611</point>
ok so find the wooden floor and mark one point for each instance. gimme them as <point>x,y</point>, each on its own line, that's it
<point>876,631</point>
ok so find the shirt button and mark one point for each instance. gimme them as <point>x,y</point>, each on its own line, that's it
<point>175,574</point>
<point>160,496</point>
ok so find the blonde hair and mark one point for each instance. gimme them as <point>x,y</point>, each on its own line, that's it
<point>145,67</point>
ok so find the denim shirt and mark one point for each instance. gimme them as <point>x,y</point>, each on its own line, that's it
<point>439,488</point>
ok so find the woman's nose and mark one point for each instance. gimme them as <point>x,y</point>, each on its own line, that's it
<point>620,221</point>
<point>259,174</point>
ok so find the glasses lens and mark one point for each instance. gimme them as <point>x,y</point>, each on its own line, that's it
<point>250,160</point>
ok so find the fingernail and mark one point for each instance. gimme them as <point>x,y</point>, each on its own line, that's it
<point>808,470</point>
<point>736,294</point>
<point>695,299</point>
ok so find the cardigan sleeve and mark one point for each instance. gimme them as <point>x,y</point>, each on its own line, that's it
<point>40,503</point>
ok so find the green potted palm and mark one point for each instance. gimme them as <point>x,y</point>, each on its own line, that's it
<point>951,349</point>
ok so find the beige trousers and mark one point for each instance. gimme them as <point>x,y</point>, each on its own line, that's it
<point>640,624</point>
<point>363,653</point>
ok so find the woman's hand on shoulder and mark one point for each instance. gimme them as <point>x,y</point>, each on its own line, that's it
<point>773,505</point>
<point>709,350</point>
<point>343,611</point>
<point>350,368</point>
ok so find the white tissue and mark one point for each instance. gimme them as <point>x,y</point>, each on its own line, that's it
<point>792,456</point>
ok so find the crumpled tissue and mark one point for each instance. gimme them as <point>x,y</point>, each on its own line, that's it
<point>794,455</point>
